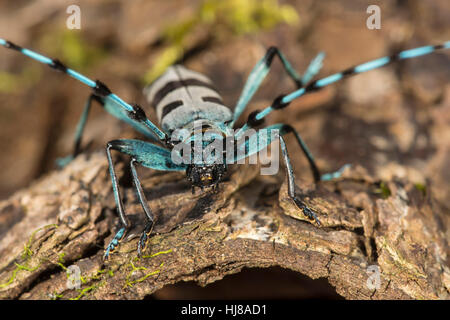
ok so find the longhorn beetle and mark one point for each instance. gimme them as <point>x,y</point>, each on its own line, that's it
<point>183,97</point>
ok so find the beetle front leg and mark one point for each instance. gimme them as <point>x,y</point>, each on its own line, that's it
<point>150,156</point>
<point>148,212</point>
<point>291,185</point>
<point>123,219</point>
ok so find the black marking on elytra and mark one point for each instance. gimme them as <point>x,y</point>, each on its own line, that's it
<point>170,107</point>
<point>138,113</point>
<point>252,121</point>
<point>174,85</point>
<point>58,65</point>
<point>202,127</point>
<point>278,103</point>
<point>101,89</point>
<point>438,47</point>
<point>213,99</point>
<point>12,46</point>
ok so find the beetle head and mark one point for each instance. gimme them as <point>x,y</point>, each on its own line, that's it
<point>204,176</point>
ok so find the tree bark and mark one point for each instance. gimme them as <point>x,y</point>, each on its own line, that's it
<point>67,217</point>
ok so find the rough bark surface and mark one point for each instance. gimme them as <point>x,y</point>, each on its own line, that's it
<point>66,218</point>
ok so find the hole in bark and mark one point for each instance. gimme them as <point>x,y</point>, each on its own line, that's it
<point>253,283</point>
<point>374,249</point>
<point>359,231</point>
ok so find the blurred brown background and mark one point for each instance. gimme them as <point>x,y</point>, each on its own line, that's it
<point>393,121</point>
